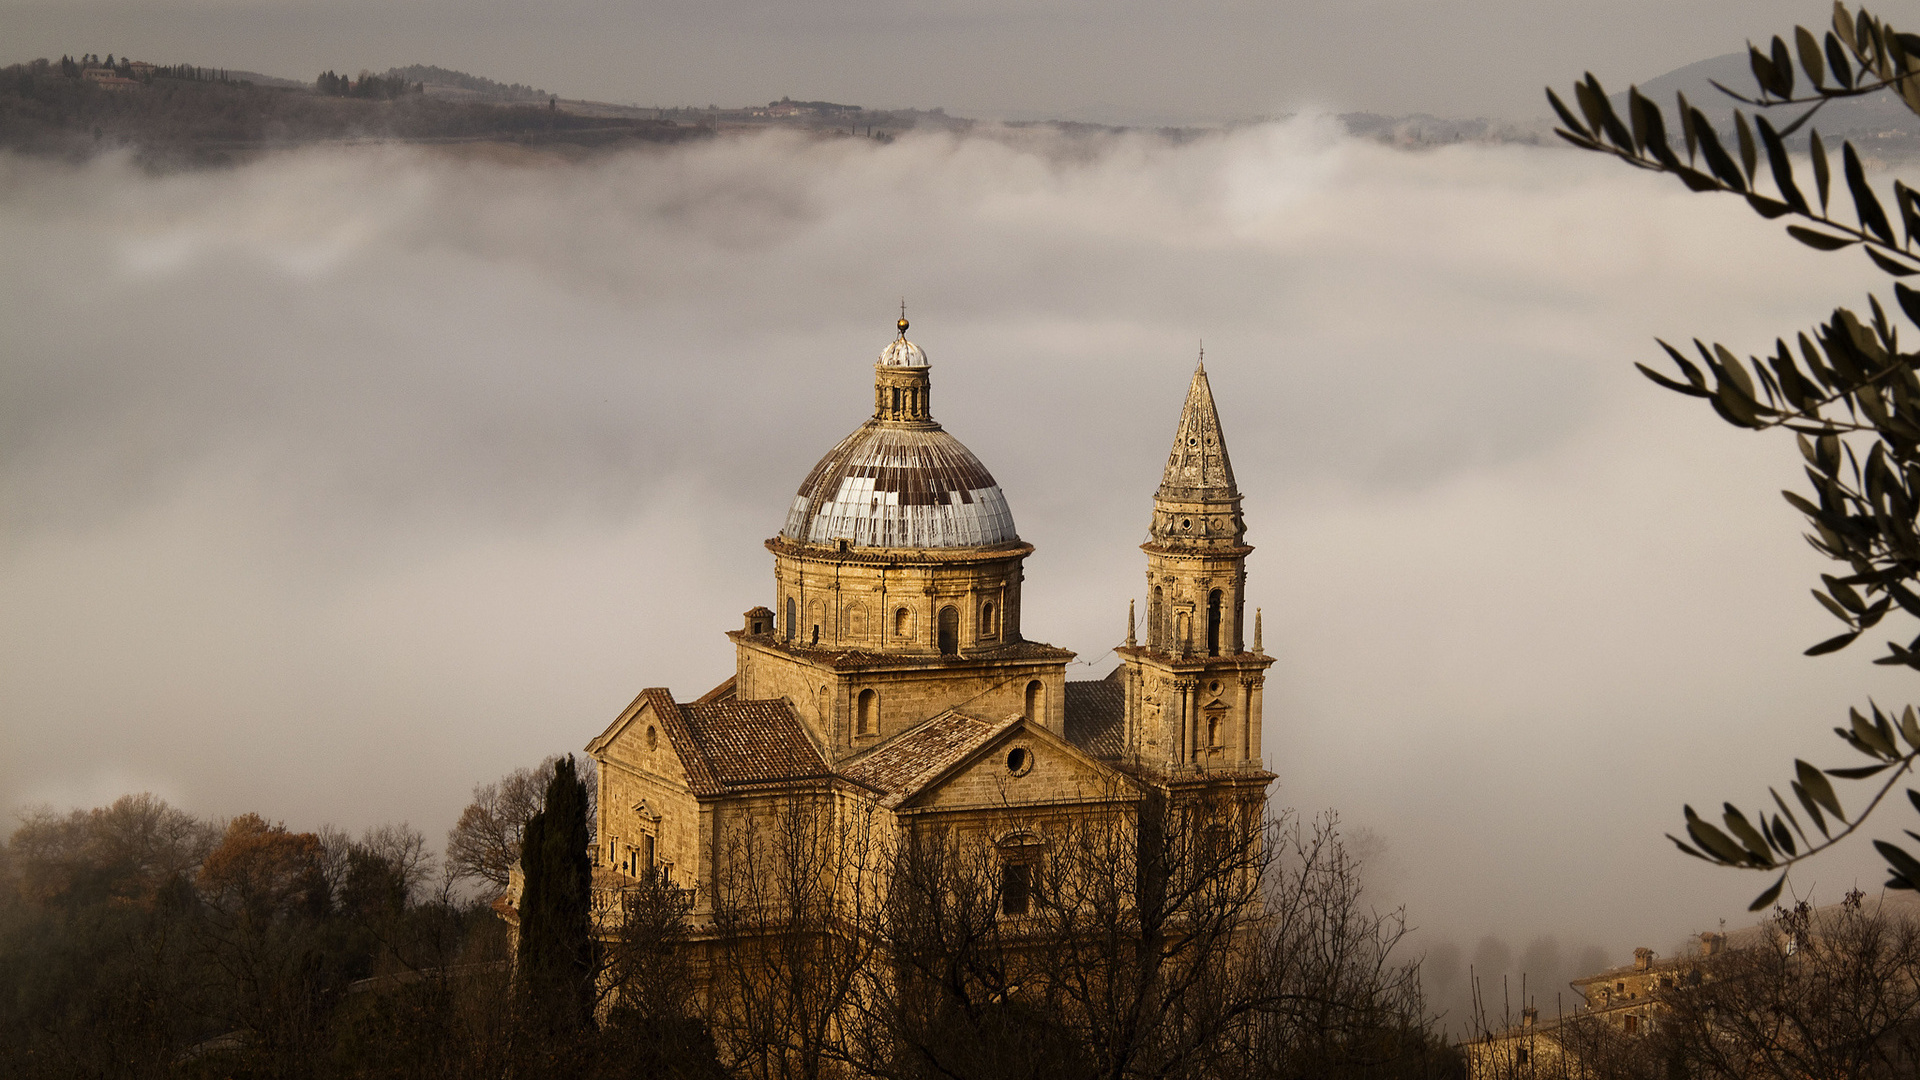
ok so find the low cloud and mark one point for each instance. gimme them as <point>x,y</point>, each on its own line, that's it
<point>343,480</point>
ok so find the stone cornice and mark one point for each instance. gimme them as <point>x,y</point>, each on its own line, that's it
<point>1015,654</point>
<point>1189,551</point>
<point>1019,549</point>
<point>1197,663</point>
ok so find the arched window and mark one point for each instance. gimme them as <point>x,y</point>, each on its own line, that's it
<point>1016,888</point>
<point>826,709</point>
<point>1213,623</point>
<point>987,629</point>
<point>1021,883</point>
<point>792,619</point>
<point>867,715</point>
<point>817,613</point>
<point>949,630</point>
<point>902,625</point>
<point>1036,701</point>
<point>1156,621</point>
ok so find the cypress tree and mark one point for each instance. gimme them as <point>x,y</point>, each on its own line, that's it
<point>556,943</point>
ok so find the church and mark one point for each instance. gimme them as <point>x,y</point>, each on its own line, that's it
<point>891,673</point>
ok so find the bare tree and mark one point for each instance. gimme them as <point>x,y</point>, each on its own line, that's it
<point>652,1023</point>
<point>128,849</point>
<point>1131,938</point>
<point>1829,993</point>
<point>1188,938</point>
<point>1335,1000</point>
<point>484,845</point>
<point>793,900</point>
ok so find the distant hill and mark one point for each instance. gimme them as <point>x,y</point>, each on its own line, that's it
<point>477,85</point>
<point>1877,119</point>
<point>170,121</point>
<point>258,79</point>
<point>1420,129</point>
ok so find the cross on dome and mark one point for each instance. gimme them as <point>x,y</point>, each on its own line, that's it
<point>900,352</point>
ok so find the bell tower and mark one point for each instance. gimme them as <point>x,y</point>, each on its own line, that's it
<point>1193,687</point>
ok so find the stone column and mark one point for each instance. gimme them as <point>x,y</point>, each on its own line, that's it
<point>1134,737</point>
<point>1189,706</point>
<point>707,872</point>
<point>1255,717</point>
<point>1183,739</point>
<point>1246,718</point>
<point>1193,711</point>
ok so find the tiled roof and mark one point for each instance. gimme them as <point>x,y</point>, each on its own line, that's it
<point>729,744</point>
<point>754,742</point>
<point>904,765</point>
<point>1096,716</point>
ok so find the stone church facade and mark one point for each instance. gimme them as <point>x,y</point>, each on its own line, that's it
<point>891,673</point>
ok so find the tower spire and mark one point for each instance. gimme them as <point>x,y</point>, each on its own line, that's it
<point>1199,467</point>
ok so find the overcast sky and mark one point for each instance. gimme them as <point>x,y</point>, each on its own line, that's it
<point>1201,60</point>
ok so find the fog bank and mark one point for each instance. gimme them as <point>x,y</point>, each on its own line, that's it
<point>341,481</point>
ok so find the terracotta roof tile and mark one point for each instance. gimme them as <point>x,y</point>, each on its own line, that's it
<point>905,764</point>
<point>1096,716</point>
<point>749,743</point>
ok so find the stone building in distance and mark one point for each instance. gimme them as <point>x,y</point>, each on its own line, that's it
<point>890,680</point>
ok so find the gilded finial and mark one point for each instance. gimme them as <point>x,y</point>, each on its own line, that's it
<point>902,324</point>
<point>1202,365</point>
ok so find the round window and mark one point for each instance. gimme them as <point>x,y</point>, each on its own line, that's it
<point>1186,523</point>
<point>1214,686</point>
<point>1019,761</point>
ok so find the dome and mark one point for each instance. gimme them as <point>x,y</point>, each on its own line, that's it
<point>902,353</point>
<point>895,486</point>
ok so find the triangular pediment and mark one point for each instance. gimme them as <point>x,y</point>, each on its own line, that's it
<point>1021,764</point>
<point>648,737</point>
